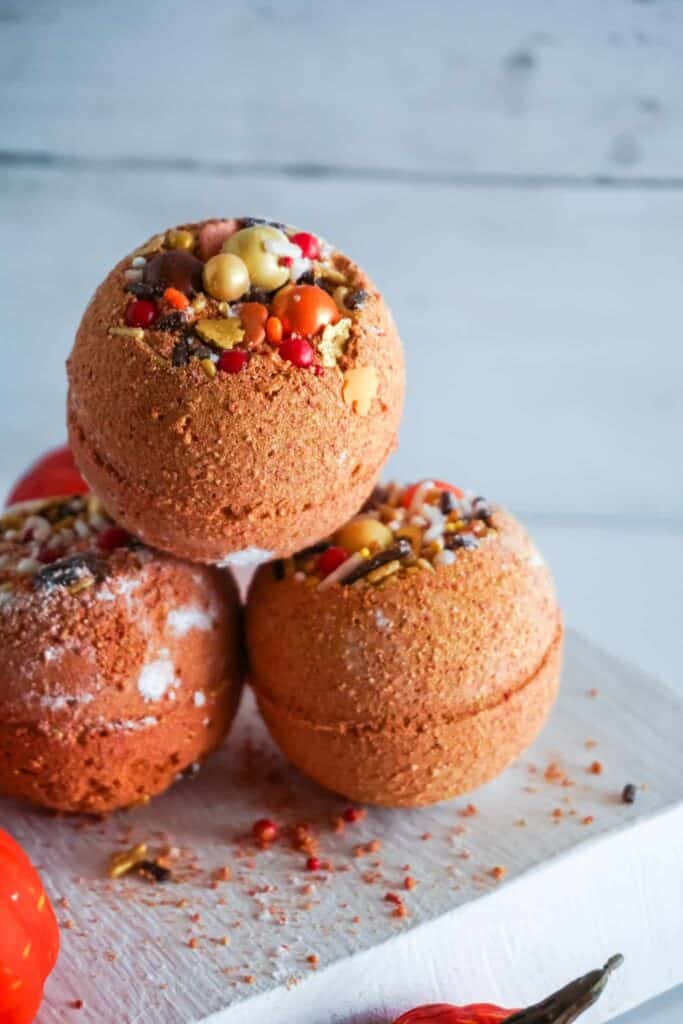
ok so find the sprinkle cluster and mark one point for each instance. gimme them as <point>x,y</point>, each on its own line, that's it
<point>236,289</point>
<point>56,543</point>
<point>401,530</point>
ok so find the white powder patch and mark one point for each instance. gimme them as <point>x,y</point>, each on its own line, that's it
<point>245,559</point>
<point>156,677</point>
<point>126,586</point>
<point>199,699</point>
<point>536,559</point>
<point>190,616</point>
<point>133,724</point>
<point>57,702</point>
<point>381,621</point>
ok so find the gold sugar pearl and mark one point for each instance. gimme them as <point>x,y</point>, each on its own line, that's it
<point>226,277</point>
<point>363,532</point>
<point>179,238</point>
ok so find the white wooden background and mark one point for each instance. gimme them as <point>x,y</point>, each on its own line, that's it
<point>512,175</point>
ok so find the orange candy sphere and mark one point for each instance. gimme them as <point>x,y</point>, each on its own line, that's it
<point>304,309</point>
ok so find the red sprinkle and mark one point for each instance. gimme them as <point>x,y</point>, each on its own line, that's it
<point>392,897</point>
<point>313,864</point>
<point>309,244</point>
<point>285,261</point>
<point>327,562</point>
<point>351,813</point>
<point>112,538</point>
<point>318,370</point>
<point>48,555</point>
<point>233,361</point>
<point>140,313</point>
<point>264,830</point>
<point>298,351</point>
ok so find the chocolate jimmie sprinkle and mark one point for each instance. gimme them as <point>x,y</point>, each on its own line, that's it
<point>460,540</point>
<point>67,571</point>
<point>397,551</point>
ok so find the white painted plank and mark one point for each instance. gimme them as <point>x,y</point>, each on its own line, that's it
<point>438,87</point>
<point>541,327</point>
<point>562,908</point>
<point>666,1009</point>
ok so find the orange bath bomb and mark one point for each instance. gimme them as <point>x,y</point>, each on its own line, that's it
<point>234,389</point>
<point>119,667</point>
<point>411,657</point>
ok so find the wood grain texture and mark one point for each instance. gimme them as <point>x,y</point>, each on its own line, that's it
<point>126,952</point>
<point>541,325</point>
<point>436,89</point>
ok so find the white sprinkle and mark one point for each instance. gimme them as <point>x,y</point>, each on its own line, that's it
<point>299,576</point>
<point>437,522</point>
<point>27,565</point>
<point>138,261</point>
<point>40,527</point>
<point>199,699</point>
<point>420,491</point>
<point>282,247</point>
<point>299,267</point>
<point>133,276</point>
<point>156,677</point>
<point>342,571</point>
<point>445,558</point>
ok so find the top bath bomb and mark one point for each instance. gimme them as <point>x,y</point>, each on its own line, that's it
<point>235,388</point>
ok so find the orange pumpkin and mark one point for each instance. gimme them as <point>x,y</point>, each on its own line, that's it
<point>52,475</point>
<point>29,936</point>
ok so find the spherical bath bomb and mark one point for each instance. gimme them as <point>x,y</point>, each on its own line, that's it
<point>412,656</point>
<point>119,667</point>
<point>235,388</point>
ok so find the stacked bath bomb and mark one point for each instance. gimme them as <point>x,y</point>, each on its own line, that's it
<point>235,389</point>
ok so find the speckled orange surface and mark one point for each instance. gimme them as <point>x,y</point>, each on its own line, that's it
<point>416,690</point>
<point>271,458</point>
<point>107,694</point>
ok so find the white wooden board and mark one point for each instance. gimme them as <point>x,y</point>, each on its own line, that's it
<point>434,90</point>
<point>573,894</point>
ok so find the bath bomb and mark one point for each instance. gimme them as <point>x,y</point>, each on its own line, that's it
<point>414,654</point>
<point>119,667</point>
<point>235,388</point>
